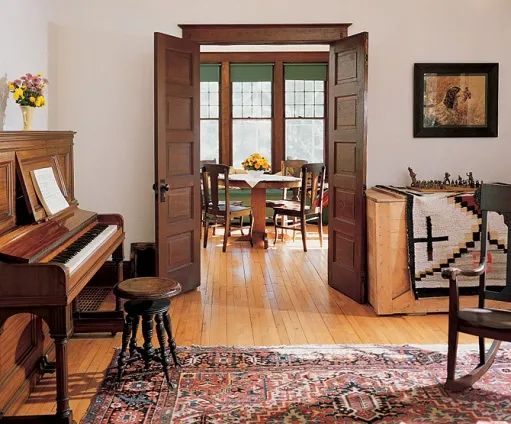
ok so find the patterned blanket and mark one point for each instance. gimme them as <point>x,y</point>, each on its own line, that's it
<point>443,230</point>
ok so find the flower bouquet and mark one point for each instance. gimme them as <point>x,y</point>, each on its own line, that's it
<point>27,91</point>
<point>256,164</point>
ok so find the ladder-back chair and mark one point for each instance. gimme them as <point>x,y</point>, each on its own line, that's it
<point>219,212</point>
<point>482,321</point>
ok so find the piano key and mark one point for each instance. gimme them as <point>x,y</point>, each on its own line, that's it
<point>82,248</point>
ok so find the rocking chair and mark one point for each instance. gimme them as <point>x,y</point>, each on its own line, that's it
<point>481,321</point>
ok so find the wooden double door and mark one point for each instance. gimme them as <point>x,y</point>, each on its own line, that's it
<point>177,179</point>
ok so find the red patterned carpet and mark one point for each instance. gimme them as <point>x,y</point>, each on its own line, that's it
<point>327,384</point>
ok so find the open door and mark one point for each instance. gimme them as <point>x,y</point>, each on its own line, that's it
<point>347,166</point>
<point>177,180</point>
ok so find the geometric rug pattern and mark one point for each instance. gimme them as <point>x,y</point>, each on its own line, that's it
<point>304,384</point>
<point>443,230</point>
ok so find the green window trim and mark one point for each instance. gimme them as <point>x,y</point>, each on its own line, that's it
<point>251,72</point>
<point>305,71</point>
<point>210,72</point>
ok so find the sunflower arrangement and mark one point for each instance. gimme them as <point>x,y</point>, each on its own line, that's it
<point>28,90</point>
<point>256,162</point>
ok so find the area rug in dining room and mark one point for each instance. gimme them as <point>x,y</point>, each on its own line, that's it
<point>303,384</point>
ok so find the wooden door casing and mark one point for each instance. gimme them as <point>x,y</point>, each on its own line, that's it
<point>177,85</point>
<point>347,166</point>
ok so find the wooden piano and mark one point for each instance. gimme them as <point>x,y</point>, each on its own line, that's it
<point>45,262</point>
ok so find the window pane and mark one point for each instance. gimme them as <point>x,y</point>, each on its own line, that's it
<point>209,141</point>
<point>302,98</point>
<point>305,139</point>
<point>251,98</point>
<point>250,136</point>
<point>209,99</point>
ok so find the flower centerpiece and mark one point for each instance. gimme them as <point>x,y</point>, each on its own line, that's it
<point>256,164</point>
<point>27,91</point>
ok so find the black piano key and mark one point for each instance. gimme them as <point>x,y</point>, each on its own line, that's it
<point>77,246</point>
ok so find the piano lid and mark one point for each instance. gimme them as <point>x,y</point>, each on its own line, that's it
<point>32,242</point>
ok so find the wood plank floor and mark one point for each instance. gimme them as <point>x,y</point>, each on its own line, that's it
<point>250,296</point>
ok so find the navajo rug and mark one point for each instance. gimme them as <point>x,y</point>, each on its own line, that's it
<point>305,384</point>
<point>443,230</point>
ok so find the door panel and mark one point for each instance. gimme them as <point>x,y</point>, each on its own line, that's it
<point>347,164</point>
<point>177,183</point>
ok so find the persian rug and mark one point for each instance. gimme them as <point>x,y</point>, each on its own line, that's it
<point>443,230</point>
<point>305,384</point>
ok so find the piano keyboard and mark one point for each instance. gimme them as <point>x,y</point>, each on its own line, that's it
<point>83,247</point>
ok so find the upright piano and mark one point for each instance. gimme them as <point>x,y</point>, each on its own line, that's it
<point>45,262</point>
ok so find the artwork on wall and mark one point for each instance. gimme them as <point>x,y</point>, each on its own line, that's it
<point>455,100</point>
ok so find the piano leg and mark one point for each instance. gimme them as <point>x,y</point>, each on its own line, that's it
<point>118,259</point>
<point>58,320</point>
<point>64,413</point>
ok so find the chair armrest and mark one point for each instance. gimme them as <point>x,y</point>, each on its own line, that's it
<point>452,273</point>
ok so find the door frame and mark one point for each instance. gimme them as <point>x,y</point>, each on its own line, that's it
<point>270,34</point>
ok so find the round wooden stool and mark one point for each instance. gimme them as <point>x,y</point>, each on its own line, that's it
<point>149,298</point>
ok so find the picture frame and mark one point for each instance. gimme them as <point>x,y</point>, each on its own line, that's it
<point>455,100</point>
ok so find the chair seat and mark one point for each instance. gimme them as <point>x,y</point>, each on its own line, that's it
<point>497,319</point>
<point>234,210</point>
<point>289,205</point>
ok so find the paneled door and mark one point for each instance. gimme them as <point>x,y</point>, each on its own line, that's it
<point>347,166</point>
<point>177,180</point>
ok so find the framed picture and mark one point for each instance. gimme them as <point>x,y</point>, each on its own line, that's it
<point>455,100</point>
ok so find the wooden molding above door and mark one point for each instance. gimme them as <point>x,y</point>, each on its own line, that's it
<point>265,34</point>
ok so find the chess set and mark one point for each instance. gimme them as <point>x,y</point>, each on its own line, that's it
<point>448,184</point>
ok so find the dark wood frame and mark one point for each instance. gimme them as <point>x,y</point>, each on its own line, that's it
<point>266,33</point>
<point>492,71</point>
<point>278,116</point>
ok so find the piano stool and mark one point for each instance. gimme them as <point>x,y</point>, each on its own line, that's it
<point>148,300</point>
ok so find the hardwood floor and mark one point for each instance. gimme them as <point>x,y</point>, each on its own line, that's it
<point>252,297</point>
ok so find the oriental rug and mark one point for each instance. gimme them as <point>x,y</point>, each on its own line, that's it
<point>443,230</point>
<point>305,384</point>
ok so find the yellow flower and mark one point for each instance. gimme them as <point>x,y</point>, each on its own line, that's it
<point>257,166</point>
<point>11,87</point>
<point>32,99</point>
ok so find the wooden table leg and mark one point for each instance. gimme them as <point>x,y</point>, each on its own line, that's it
<point>258,203</point>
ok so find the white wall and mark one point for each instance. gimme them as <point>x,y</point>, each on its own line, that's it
<point>101,64</point>
<point>23,48</point>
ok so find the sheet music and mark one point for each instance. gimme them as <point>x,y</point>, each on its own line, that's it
<point>48,190</point>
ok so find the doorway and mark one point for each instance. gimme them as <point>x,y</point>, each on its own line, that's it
<point>177,145</point>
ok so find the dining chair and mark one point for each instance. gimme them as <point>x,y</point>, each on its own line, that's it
<point>216,211</point>
<point>233,202</point>
<point>309,206</point>
<point>481,321</point>
<point>290,168</point>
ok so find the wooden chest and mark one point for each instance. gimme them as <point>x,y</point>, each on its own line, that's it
<point>387,259</point>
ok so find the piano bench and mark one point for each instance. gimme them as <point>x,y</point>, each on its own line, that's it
<point>149,302</point>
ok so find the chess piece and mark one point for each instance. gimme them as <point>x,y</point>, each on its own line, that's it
<point>413,176</point>
<point>447,179</point>
<point>470,179</point>
<point>460,180</point>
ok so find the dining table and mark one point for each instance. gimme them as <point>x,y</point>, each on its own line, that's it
<point>258,184</point>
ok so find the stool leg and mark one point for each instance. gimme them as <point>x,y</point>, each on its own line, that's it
<point>147,332</point>
<point>133,341</point>
<point>161,338</point>
<point>126,332</point>
<point>172,343</point>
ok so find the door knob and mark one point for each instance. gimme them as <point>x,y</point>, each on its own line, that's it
<point>163,189</point>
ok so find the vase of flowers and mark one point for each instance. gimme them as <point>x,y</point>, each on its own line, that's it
<point>27,91</point>
<point>256,164</point>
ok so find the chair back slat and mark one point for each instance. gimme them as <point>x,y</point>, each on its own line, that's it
<point>292,168</point>
<point>495,198</point>
<point>211,175</point>
<point>313,179</point>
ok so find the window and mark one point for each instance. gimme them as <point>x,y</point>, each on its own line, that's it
<point>210,112</point>
<point>273,103</point>
<point>305,111</point>
<point>251,111</point>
